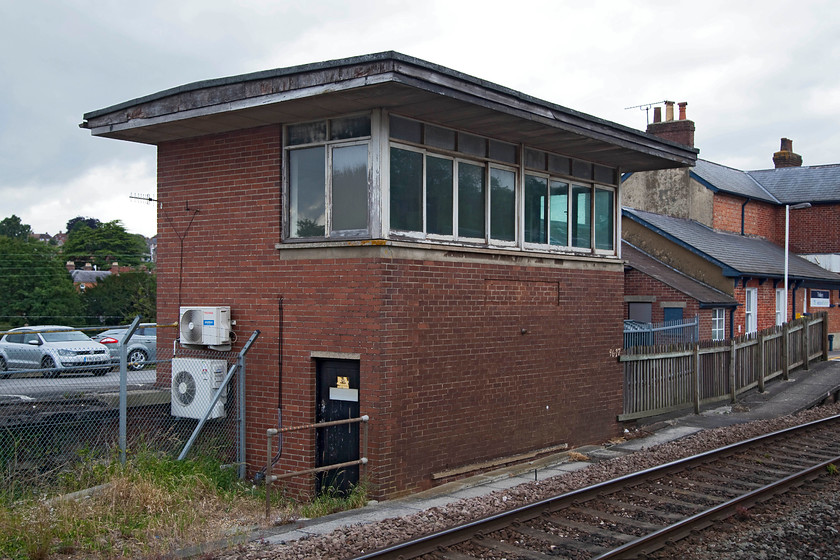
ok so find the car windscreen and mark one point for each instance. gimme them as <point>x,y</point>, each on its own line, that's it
<point>65,336</point>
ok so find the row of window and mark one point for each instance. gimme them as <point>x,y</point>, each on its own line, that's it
<point>451,185</point>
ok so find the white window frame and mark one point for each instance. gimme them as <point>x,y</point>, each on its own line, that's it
<point>750,310</point>
<point>718,323</point>
<point>781,306</point>
<point>329,146</point>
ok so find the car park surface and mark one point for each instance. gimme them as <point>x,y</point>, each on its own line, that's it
<point>54,350</point>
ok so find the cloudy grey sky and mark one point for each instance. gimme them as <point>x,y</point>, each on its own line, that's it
<point>752,72</point>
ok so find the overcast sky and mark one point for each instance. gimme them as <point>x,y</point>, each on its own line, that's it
<point>751,72</point>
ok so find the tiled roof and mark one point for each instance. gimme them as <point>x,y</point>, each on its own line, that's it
<point>89,275</point>
<point>727,179</point>
<point>792,185</point>
<point>737,255</point>
<point>787,185</point>
<point>703,293</point>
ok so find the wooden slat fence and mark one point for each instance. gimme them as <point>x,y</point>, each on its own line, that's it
<point>660,379</point>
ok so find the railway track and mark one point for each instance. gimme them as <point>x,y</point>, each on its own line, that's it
<point>637,514</point>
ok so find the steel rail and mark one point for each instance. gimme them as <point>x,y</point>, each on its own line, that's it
<point>432,542</point>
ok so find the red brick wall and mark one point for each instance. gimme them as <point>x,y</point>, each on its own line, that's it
<point>464,358</point>
<point>760,218</point>
<point>814,230</point>
<point>639,284</point>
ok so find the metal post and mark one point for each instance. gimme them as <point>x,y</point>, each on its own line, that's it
<point>269,433</point>
<point>124,388</point>
<point>805,339</point>
<point>240,417</point>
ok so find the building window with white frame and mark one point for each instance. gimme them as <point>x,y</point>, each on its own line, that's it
<point>328,177</point>
<point>781,306</point>
<point>718,323</point>
<point>751,310</point>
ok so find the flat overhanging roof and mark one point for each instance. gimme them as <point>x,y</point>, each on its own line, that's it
<point>401,84</point>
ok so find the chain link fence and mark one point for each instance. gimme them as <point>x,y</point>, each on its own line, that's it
<point>97,394</point>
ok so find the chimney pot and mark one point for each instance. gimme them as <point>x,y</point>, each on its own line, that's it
<point>787,145</point>
<point>657,114</point>
<point>669,111</point>
<point>682,109</point>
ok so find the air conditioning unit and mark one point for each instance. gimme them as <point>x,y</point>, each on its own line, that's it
<point>194,382</point>
<point>205,326</point>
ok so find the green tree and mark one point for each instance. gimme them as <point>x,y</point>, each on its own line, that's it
<point>107,243</point>
<point>14,228</point>
<point>92,223</point>
<point>120,298</point>
<point>35,285</point>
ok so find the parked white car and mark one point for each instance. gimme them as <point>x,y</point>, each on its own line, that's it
<point>53,349</point>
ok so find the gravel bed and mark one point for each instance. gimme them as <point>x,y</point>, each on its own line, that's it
<point>792,526</point>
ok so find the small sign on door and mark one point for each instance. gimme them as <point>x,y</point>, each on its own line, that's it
<point>342,391</point>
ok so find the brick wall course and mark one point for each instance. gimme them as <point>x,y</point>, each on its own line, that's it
<point>452,371</point>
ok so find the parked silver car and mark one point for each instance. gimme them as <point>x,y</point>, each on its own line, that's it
<point>54,349</point>
<point>141,350</point>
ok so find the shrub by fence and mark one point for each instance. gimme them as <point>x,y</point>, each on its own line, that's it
<point>660,379</point>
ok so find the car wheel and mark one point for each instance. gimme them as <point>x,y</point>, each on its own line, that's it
<point>136,360</point>
<point>3,366</point>
<point>48,363</point>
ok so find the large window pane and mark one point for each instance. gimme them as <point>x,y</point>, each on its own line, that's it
<point>470,200</point>
<point>536,209</point>
<point>502,204</point>
<point>306,190</point>
<point>581,200</point>
<point>349,188</point>
<point>604,206</point>
<point>559,216</point>
<point>438,195</point>
<point>407,190</point>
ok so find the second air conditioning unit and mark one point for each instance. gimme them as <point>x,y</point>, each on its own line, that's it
<point>194,382</point>
<point>205,326</point>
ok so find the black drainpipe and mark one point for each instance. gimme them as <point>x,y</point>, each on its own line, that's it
<point>743,212</point>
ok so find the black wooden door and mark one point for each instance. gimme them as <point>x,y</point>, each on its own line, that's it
<point>337,398</point>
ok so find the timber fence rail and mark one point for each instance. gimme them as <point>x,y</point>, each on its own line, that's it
<point>661,379</point>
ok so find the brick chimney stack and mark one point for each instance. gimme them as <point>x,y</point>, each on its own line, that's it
<point>785,156</point>
<point>680,131</point>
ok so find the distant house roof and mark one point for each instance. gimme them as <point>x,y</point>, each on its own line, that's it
<point>706,295</point>
<point>88,276</point>
<point>786,185</point>
<point>401,84</point>
<point>738,256</point>
<point>792,185</point>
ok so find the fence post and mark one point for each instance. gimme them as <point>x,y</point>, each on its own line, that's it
<point>696,379</point>
<point>756,363</point>
<point>786,351</point>
<point>762,362</point>
<point>733,362</point>
<point>124,388</point>
<point>805,338</point>
<point>824,335</point>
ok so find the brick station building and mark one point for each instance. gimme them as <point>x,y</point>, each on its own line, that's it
<point>433,250</point>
